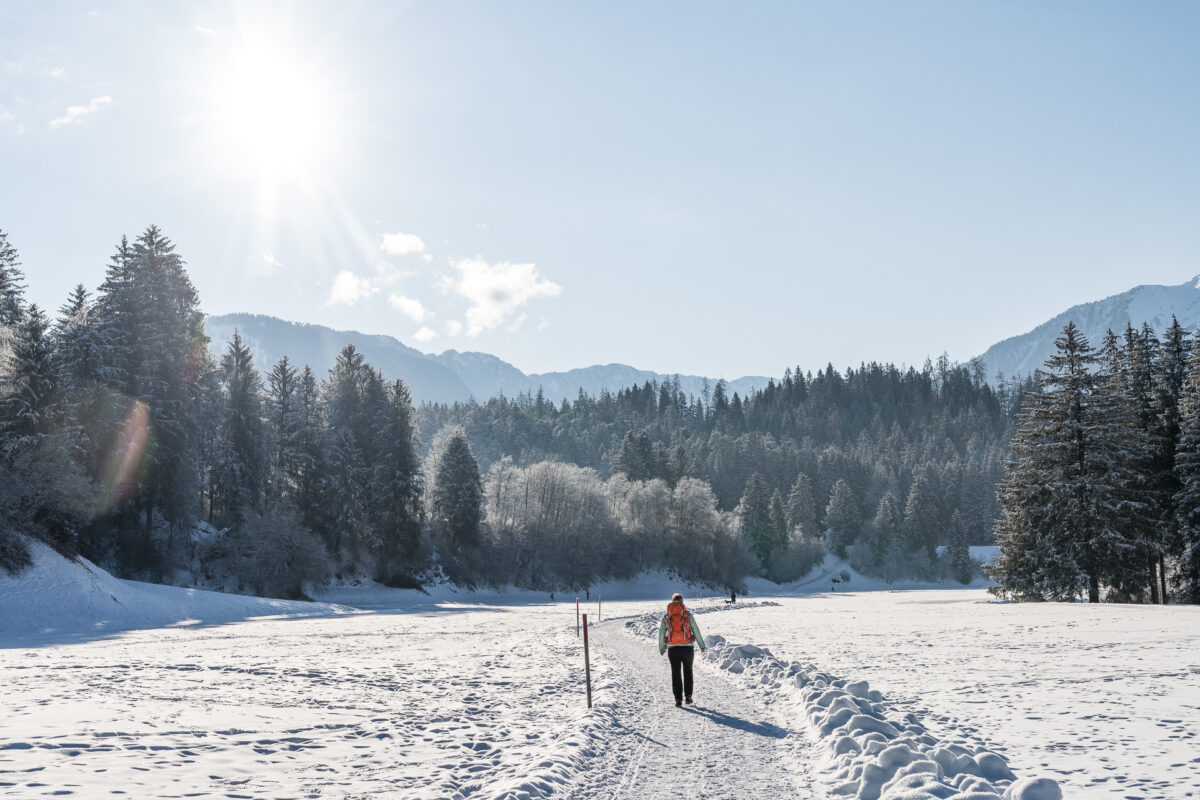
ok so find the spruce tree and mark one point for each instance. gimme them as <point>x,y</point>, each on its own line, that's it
<point>754,514</point>
<point>1187,473</point>
<point>456,503</point>
<point>1070,497</point>
<point>843,522</point>
<point>12,285</point>
<point>801,508</point>
<point>244,469</point>
<point>958,552</point>
<point>885,536</point>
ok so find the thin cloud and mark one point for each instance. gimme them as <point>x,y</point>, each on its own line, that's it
<point>76,114</point>
<point>401,244</point>
<point>270,263</point>
<point>7,120</point>
<point>349,288</point>
<point>425,334</point>
<point>409,307</point>
<point>453,327</point>
<point>496,291</point>
<point>204,30</point>
<point>57,72</point>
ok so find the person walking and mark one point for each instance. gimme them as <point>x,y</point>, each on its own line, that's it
<point>677,633</point>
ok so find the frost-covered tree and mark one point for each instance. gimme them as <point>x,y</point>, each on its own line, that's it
<point>922,518</point>
<point>958,551</point>
<point>754,514</point>
<point>843,521</point>
<point>1070,497</point>
<point>12,285</point>
<point>884,539</point>
<point>801,507</point>
<point>242,467</point>
<point>456,495</point>
<point>1187,473</point>
<point>283,423</point>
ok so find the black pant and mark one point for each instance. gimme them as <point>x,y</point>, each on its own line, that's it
<point>681,661</point>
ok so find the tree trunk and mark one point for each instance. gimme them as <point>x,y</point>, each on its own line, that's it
<point>1153,580</point>
<point>1162,577</point>
<point>1093,589</point>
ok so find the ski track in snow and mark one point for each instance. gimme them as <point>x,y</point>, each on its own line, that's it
<point>728,745</point>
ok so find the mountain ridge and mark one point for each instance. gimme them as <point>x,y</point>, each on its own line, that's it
<point>1020,355</point>
<point>447,377</point>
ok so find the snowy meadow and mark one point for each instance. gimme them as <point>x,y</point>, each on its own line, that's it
<point>482,695</point>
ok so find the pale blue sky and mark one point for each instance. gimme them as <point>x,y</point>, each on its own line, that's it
<point>713,188</point>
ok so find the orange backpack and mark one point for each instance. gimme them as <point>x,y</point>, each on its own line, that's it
<point>679,625</point>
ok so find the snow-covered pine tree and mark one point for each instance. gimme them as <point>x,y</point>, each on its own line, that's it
<point>1070,497</point>
<point>801,507</point>
<point>153,351</point>
<point>283,424</point>
<point>1169,374</point>
<point>456,497</point>
<point>922,518</point>
<point>843,522</point>
<point>1187,472</point>
<point>398,481</point>
<point>29,383</point>
<point>884,538</point>
<point>243,470</point>
<point>12,285</point>
<point>754,514</point>
<point>958,553</point>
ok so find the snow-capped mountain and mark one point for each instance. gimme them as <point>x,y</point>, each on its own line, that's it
<point>1021,355</point>
<point>443,378</point>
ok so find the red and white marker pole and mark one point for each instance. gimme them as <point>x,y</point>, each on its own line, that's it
<point>576,616</point>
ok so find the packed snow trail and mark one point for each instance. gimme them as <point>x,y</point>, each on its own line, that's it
<point>730,744</point>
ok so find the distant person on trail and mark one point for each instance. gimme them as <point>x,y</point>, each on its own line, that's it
<point>676,634</point>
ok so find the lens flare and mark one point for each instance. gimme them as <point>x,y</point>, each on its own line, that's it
<point>125,458</point>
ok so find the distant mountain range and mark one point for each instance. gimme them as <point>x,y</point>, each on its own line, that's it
<point>445,378</point>
<point>459,376</point>
<point>1021,355</point>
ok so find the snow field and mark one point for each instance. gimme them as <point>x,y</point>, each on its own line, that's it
<point>1104,699</point>
<point>873,752</point>
<point>450,702</point>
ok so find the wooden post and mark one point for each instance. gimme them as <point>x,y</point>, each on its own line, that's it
<point>587,663</point>
<point>576,616</point>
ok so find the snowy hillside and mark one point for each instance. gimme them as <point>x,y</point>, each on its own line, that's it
<point>447,377</point>
<point>65,600</point>
<point>1021,355</point>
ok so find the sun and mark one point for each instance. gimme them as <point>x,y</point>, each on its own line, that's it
<point>270,110</point>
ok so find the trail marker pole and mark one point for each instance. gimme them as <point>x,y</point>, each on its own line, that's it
<point>587,663</point>
<point>576,616</point>
<point>599,603</point>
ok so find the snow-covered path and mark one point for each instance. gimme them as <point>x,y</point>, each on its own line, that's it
<point>728,745</point>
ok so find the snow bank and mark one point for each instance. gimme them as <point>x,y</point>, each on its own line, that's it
<point>874,751</point>
<point>75,599</point>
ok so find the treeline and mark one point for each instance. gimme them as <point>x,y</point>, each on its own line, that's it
<point>123,439</point>
<point>1102,498</point>
<point>882,462</point>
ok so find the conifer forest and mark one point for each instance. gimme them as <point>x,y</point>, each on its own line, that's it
<point>123,440</point>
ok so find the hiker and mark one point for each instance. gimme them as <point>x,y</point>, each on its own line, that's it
<point>676,634</point>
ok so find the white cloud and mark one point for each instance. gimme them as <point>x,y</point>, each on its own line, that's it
<point>427,258</point>
<point>75,114</point>
<point>204,30</point>
<point>543,323</point>
<point>401,244</point>
<point>425,334</point>
<point>409,307</point>
<point>517,323</point>
<point>349,288</point>
<point>7,120</point>
<point>453,328</point>
<point>57,72</point>
<point>496,291</point>
<point>270,262</point>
